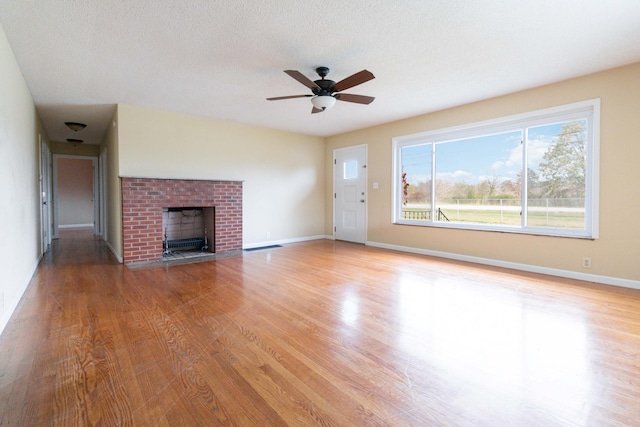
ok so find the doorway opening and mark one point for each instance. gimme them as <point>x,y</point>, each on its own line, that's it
<point>75,186</point>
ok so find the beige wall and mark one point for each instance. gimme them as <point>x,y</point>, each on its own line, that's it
<point>74,191</point>
<point>110,149</point>
<point>283,172</point>
<point>614,254</point>
<point>20,129</point>
<point>75,149</point>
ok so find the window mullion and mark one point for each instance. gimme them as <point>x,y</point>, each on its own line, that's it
<point>433,179</point>
<point>398,186</point>
<point>525,178</point>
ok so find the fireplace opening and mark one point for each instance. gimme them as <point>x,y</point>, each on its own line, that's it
<point>188,232</point>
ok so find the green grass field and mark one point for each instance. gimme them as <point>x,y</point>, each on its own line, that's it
<point>573,220</point>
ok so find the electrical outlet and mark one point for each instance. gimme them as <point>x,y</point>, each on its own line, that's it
<point>586,262</point>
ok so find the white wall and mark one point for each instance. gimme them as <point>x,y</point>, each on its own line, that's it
<point>19,188</point>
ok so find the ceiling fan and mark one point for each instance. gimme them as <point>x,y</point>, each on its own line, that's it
<point>326,92</point>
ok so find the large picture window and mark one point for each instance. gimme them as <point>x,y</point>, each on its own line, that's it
<point>531,173</point>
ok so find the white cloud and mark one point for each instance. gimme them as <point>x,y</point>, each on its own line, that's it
<point>535,152</point>
<point>454,176</point>
<point>497,165</point>
<point>515,156</point>
<point>418,178</point>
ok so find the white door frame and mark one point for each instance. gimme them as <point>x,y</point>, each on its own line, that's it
<point>96,196</point>
<point>102,182</point>
<point>366,180</point>
<point>45,194</point>
<point>96,189</point>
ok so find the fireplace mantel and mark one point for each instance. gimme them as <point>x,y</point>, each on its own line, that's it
<point>144,198</point>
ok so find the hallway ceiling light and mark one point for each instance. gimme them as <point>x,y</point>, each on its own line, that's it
<point>75,126</point>
<point>75,141</point>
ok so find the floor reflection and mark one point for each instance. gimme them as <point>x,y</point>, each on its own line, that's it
<point>350,312</point>
<point>493,338</point>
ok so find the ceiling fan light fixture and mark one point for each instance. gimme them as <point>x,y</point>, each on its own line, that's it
<point>323,101</point>
<point>75,126</point>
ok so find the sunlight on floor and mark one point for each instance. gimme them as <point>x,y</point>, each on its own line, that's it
<point>498,341</point>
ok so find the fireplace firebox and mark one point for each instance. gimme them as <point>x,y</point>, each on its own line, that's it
<point>187,229</point>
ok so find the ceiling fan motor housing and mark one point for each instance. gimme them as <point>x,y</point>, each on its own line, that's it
<point>325,84</point>
<point>325,87</point>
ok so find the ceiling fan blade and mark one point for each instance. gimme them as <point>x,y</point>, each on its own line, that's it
<point>288,97</point>
<point>315,110</point>
<point>302,79</point>
<point>358,99</point>
<point>354,80</point>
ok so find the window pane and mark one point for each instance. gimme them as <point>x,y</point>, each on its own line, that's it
<point>480,180</point>
<point>556,157</point>
<point>351,169</point>
<point>477,179</point>
<point>415,189</point>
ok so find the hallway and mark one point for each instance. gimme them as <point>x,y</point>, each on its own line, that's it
<point>317,333</point>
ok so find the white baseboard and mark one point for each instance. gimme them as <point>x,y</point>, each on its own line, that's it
<point>75,226</point>
<point>606,280</point>
<point>282,242</point>
<point>6,316</point>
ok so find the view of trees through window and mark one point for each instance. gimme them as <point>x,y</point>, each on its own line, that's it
<point>479,180</point>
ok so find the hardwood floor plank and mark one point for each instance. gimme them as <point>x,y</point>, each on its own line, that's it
<point>318,333</point>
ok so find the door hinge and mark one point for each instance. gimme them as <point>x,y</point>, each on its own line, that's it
<point>335,196</point>
<point>334,229</point>
<point>335,162</point>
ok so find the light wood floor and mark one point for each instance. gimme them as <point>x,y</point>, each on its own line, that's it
<point>319,333</point>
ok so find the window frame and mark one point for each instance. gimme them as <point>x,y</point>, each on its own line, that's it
<point>589,109</point>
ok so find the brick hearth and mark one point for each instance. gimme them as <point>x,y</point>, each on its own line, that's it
<point>144,198</point>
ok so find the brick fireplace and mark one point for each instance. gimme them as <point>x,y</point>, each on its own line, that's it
<point>143,200</point>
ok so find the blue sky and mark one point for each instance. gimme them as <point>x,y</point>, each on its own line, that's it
<point>478,159</point>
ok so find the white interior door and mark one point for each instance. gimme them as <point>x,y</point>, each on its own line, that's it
<point>350,184</point>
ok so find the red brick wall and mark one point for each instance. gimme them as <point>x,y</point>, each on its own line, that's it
<point>144,198</point>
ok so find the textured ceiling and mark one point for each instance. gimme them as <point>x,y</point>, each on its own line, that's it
<point>222,59</point>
